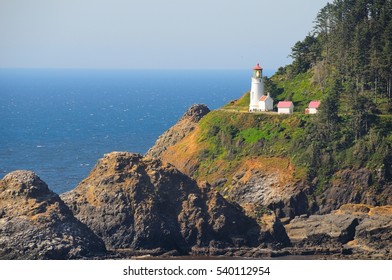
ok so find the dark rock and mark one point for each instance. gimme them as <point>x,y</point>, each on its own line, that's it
<point>36,224</point>
<point>353,186</point>
<point>375,232</point>
<point>273,233</point>
<point>141,203</point>
<point>219,183</point>
<point>355,230</point>
<point>322,230</point>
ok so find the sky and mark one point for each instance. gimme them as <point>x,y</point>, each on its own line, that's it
<point>152,34</point>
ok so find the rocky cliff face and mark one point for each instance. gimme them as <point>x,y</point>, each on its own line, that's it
<point>259,184</point>
<point>183,127</point>
<point>145,203</point>
<point>138,202</point>
<point>266,182</point>
<point>353,186</point>
<point>36,224</point>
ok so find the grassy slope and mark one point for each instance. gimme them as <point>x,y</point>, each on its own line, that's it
<point>241,104</point>
<point>301,90</point>
<point>227,139</point>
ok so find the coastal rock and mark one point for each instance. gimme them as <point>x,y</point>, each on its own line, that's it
<point>184,126</point>
<point>36,224</point>
<point>273,231</point>
<point>374,234</point>
<point>322,230</point>
<point>258,184</point>
<point>358,229</point>
<point>353,186</point>
<point>262,181</point>
<point>138,202</point>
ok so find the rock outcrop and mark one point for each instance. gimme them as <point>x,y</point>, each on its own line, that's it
<point>267,182</point>
<point>322,230</point>
<point>273,231</point>
<point>357,229</point>
<point>353,186</point>
<point>36,224</point>
<point>373,236</point>
<point>139,202</point>
<point>177,132</point>
<point>260,184</point>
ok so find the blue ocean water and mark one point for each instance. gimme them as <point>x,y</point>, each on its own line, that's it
<point>58,123</point>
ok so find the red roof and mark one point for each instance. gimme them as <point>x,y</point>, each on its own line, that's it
<point>314,104</point>
<point>257,67</point>
<point>285,104</point>
<point>263,98</point>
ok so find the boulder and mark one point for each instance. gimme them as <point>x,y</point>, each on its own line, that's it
<point>272,189</point>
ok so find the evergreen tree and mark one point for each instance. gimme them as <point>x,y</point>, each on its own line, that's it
<point>355,38</point>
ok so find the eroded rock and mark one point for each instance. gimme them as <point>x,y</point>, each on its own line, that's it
<point>139,202</point>
<point>358,229</point>
<point>177,132</point>
<point>36,224</point>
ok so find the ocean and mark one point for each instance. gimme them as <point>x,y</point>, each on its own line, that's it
<point>58,123</point>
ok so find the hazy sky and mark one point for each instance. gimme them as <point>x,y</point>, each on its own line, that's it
<point>173,34</point>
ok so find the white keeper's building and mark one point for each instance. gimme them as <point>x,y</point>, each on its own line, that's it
<point>285,107</point>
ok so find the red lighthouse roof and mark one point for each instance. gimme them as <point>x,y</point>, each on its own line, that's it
<point>257,67</point>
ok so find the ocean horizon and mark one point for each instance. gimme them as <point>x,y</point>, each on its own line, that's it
<point>59,122</point>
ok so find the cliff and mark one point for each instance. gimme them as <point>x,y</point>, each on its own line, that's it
<point>321,184</point>
<point>259,204</point>
<point>138,202</point>
<point>249,159</point>
<point>221,150</point>
<point>259,159</point>
<point>36,224</point>
<point>183,127</point>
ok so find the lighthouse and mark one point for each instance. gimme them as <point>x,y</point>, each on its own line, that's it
<point>257,89</point>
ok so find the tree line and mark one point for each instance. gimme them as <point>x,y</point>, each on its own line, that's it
<point>353,40</point>
<point>349,57</point>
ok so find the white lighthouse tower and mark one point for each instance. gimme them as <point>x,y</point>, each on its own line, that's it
<point>257,89</point>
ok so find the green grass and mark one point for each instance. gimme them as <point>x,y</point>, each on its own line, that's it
<point>300,89</point>
<point>252,135</point>
<point>241,104</point>
<point>231,135</point>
